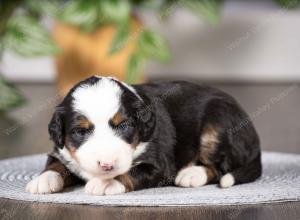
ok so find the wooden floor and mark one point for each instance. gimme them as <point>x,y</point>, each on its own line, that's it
<point>28,210</point>
<point>273,108</point>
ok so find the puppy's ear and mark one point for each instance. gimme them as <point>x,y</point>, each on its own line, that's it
<point>146,123</point>
<point>56,128</point>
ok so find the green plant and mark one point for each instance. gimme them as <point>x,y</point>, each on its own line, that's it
<point>288,3</point>
<point>88,15</point>
<point>21,31</point>
<point>9,96</point>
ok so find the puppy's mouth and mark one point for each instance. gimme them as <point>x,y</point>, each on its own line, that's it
<point>108,174</point>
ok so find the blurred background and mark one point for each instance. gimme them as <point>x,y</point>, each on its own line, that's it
<point>248,48</point>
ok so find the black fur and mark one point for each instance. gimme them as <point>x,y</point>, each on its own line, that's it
<point>183,109</point>
<point>56,128</point>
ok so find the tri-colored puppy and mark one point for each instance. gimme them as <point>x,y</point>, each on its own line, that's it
<point>119,138</point>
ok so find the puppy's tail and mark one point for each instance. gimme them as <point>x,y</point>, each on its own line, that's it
<point>245,174</point>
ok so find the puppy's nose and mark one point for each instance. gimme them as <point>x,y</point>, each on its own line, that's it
<point>106,166</point>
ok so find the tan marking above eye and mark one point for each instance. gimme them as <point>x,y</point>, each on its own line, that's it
<point>85,123</point>
<point>117,118</point>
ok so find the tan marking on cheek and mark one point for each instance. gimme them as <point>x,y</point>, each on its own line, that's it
<point>117,118</point>
<point>71,149</point>
<point>73,152</point>
<point>208,143</point>
<point>127,181</point>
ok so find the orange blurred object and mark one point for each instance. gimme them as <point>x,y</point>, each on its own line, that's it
<point>86,54</point>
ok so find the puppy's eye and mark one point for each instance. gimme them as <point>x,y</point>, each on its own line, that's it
<point>80,131</point>
<point>124,125</point>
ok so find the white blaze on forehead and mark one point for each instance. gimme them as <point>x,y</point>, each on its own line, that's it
<point>99,101</point>
<point>130,88</point>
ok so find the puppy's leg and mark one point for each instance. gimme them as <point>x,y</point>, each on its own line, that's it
<point>229,142</point>
<point>245,174</point>
<point>53,179</point>
<point>115,187</point>
<point>98,186</point>
<point>141,177</point>
<point>196,173</point>
<point>195,176</point>
<point>127,181</point>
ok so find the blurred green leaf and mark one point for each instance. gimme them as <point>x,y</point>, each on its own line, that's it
<point>115,10</point>
<point>10,97</point>
<point>289,3</point>
<point>136,65</point>
<point>153,45</point>
<point>149,4</point>
<point>2,47</point>
<point>167,7</point>
<point>209,9</point>
<point>82,13</point>
<point>27,37</point>
<point>44,7</point>
<point>121,37</point>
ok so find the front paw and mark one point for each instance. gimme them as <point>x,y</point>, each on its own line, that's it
<point>47,182</point>
<point>193,176</point>
<point>114,187</point>
<point>95,186</point>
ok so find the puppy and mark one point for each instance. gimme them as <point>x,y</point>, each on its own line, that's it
<point>118,138</point>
